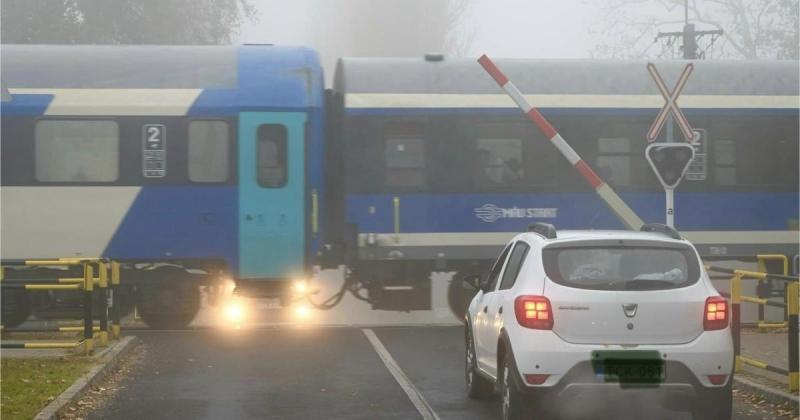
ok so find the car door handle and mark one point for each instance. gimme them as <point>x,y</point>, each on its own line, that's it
<point>485,308</point>
<point>500,311</point>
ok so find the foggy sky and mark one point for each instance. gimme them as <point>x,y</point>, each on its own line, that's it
<point>503,28</point>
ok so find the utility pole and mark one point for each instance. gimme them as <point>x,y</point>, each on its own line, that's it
<point>689,36</point>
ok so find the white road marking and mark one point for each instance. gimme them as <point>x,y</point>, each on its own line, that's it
<point>413,393</point>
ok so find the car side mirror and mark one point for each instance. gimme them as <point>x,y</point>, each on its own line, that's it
<point>473,281</point>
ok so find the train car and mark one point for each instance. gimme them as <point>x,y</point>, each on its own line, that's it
<point>190,164</point>
<point>440,167</point>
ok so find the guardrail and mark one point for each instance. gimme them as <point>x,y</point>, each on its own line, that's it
<point>86,284</point>
<point>763,288</point>
<point>791,304</point>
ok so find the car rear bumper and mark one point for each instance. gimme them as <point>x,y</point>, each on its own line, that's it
<point>581,393</point>
<point>569,365</point>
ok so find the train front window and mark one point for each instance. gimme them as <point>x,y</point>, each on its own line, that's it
<point>272,155</point>
<point>208,151</point>
<point>76,151</point>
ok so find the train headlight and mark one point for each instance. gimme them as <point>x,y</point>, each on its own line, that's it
<point>302,312</point>
<point>235,313</point>
<point>301,287</point>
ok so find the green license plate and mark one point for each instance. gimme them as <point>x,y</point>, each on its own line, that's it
<point>629,366</point>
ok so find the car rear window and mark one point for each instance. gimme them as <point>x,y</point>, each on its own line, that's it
<point>622,267</point>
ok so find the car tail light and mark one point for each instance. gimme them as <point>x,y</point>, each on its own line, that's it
<point>536,379</point>
<point>534,312</point>
<point>716,313</point>
<point>717,379</point>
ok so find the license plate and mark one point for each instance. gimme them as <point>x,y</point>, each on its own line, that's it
<point>629,366</point>
<point>270,303</point>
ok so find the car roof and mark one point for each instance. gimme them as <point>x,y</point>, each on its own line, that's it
<point>565,236</point>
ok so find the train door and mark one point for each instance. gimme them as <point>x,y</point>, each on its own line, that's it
<point>271,194</point>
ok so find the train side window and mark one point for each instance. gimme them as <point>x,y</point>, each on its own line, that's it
<point>272,155</point>
<point>725,162</point>
<point>405,161</point>
<point>76,151</point>
<point>208,151</point>
<point>614,160</point>
<point>499,161</point>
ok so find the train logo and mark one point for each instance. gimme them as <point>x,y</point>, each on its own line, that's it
<point>490,213</point>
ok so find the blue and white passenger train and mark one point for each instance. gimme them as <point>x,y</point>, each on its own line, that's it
<point>236,162</point>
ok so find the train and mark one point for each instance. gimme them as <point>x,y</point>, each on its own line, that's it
<point>194,165</point>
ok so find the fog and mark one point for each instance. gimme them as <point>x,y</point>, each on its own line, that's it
<point>516,28</point>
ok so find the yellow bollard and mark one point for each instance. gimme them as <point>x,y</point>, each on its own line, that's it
<point>736,293</point>
<point>793,309</point>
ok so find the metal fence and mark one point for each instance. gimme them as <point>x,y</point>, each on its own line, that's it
<point>98,284</point>
<point>791,305</point>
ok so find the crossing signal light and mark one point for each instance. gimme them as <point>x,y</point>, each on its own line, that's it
<point>670,161</point>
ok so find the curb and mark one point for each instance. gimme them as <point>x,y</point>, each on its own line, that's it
<point>767,393</point>
<point>107,362</point>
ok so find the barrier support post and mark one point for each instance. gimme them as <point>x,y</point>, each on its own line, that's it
<point>736,293</point>
<point>115,301</point>
<point>88,283</point>
<point>103,292</point>
<point>763,287</point>
<point>793,309</point>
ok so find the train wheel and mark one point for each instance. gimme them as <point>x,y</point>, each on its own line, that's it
<point>168,305</point>
<point>16,307</point>
<point>459,295</point>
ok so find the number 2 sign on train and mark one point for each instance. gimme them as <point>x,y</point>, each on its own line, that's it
<point>195,165</point>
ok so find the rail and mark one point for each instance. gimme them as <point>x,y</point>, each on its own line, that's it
<point>103,287</point>
<point>792,305</point>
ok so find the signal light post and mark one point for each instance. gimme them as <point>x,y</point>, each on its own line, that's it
<point>670,161</point>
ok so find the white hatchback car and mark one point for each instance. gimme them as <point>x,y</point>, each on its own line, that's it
<point>575,320</point>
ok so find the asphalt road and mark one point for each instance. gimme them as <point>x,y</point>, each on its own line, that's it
<point>310,373</point>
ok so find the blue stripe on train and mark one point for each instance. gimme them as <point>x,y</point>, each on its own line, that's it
<point>26,104</point>
<point>514,212</point>
<point>179,222</point>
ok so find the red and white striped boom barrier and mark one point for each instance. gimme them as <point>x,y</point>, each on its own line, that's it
<point>614,202</point>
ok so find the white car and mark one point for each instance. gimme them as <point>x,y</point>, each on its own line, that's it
<point>572,320</point>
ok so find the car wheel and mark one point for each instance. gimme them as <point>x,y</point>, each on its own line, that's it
<point>477,385</point>
<point>715,404</point>
<point>514,404</point>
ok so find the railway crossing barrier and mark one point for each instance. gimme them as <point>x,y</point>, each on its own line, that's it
<point>85,284</point>
<point>791,304</point>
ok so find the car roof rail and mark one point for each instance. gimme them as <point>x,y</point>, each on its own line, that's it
<point>662,229</point>
<point>545,229</point>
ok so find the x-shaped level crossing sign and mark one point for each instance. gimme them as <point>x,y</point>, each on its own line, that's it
<point>671,105</point>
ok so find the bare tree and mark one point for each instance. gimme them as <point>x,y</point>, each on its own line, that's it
<point>123,21</point>
<point>754,29</point>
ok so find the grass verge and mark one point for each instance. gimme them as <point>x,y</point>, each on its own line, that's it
<point>28,385</point>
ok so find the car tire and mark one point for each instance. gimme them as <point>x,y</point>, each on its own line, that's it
<point>714,403</point>
<point>514,404</point>
<point>478,387</point>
